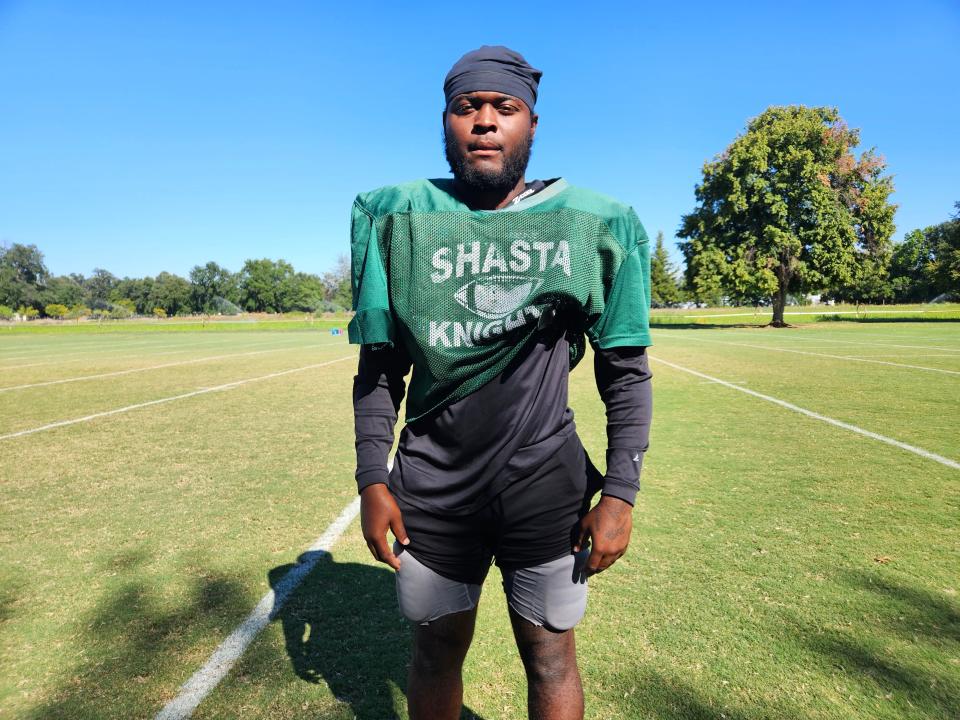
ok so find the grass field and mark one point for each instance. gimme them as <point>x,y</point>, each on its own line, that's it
<point>781,566</point>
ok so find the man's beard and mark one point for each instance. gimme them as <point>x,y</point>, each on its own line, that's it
<point>489,181</point>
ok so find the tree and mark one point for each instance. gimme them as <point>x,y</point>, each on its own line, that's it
<point>122,309</point>
<point>788,208</point>
<point>339,293</point>
<point>210,282</point>
<point>944,240</point>
<point>309,292</point>
<point>170,292</point>
<point>267,286</point>
<point>6,313</point>
<point>136,290</point>
<point>927,262</point>
<point>664,291</point>
<point>78,311</point>
<point>55,310</point>
<point>64,290</point>
<point>910,268</point>
<point>99,286</point>
<point>23,276</point>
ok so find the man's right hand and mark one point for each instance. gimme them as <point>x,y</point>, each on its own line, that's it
<point>379,512</point>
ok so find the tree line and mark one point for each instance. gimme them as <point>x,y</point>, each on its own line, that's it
<point>29,290</point>
<point>788,209</point>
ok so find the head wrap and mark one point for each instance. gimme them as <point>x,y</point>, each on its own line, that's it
<point>493,68</point>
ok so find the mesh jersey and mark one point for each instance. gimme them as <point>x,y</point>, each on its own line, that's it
<point>464,289</point>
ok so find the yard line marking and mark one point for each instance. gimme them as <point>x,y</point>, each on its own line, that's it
<point>201,391</point>
<point>816,416</point>
<point>903,355</point>
<point>851,342</point>
<point>815,312</point>
<point>816,354</point>
<point>194,690</point>
<point>156,367</point>
<point>144,352</point>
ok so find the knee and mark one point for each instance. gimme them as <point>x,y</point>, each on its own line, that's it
<point>551,664</point>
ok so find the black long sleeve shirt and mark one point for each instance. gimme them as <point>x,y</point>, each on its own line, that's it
<point>459,458</point>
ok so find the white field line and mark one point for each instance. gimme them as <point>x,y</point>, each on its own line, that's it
<point>816,416</point>
<point>815,312</point>
<point>166,340</point>
<point>194,690</point>
<point>922,355</point>
<point>201,391</point>
<point>145,352</point>
<point>139,348</point>
<point>818,339</point>
<point>824,355</point>
<point>156,367</point>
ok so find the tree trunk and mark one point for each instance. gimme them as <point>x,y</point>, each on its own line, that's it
<point>779,303</point>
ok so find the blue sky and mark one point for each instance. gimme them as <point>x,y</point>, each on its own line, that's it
<point>146,137</point>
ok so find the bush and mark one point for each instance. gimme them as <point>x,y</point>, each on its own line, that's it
<point>121,310</point>
<point>55,310</point>
<point>6,313</point>
<point>78,311</point>
<point>28,312</point>
<point>159,312</point>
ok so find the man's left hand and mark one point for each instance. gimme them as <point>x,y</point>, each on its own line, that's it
<point>608,526</point>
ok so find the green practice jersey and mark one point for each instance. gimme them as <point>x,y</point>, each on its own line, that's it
<point>465,290</point>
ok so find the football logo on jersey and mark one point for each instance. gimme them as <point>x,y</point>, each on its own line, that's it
<point>496,296</point>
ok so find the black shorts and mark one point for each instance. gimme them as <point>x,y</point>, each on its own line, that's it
<point>532,521</point>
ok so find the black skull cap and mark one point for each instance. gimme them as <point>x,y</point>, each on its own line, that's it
<point>493,68</point>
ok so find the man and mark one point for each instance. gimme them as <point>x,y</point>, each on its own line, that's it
<point>487,285</point>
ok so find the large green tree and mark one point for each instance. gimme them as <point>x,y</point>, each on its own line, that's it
<point>664,291</point>
<point>210,284</point>
<point>64,290</point>
<point>99,286</point>
<point>267,285</point>
<point>23,276</point>
<point>927,262</point>
<point>170,292</point>
<point>789,208</point>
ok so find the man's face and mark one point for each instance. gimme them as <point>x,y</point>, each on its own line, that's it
<point>487,137</point>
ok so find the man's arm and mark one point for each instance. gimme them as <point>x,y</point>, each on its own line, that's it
<point>623,380</point>
<point>378,390</point>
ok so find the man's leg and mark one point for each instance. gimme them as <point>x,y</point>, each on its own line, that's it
<point>549,657</point>
<point>435,684</point>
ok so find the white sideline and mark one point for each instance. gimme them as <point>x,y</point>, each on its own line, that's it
<point>201,391</point>
<point>72,357</point>
<point>819,339</point>
<point>816,416</point>
<point>157,367</point>
<point>194,690</point>
<point>852,358</point>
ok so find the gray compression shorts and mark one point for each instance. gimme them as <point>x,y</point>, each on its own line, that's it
<point>552,595</point>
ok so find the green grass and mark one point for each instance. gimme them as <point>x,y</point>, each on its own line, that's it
<point>240,323</point>
<point>940,312</point>
<point>780,567</point>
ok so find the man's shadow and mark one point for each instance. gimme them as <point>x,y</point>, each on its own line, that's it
<point>341,626</point>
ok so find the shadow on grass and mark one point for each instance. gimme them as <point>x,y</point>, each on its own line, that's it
<point>906,653</point>
<point>341,626</point>
<point>665,697</point>
<point>132,644</point>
